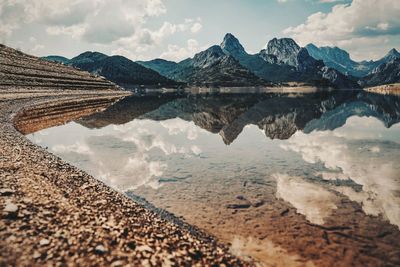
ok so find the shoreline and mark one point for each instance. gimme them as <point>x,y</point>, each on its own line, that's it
<point>54,213</point>
<point>387,89</point>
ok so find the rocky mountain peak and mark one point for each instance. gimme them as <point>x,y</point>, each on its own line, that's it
<point>208,57</point>
<point>285,49</point>
<point>392,54</point>
<point>393,51</point>
<point>232,46</point>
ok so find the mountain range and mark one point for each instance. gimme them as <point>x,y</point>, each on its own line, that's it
<point>340,60</point>
<point>117,69</point>
<point>228,64</point>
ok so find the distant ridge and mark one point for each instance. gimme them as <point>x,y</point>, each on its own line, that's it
<point>340,60</point>
<point>118,69</point>
<point>386,73</point>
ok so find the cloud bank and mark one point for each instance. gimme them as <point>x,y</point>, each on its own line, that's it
<point>367,28</point>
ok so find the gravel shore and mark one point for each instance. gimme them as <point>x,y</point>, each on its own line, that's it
<point>53,213</point>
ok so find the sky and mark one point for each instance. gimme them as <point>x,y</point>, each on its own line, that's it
<point>177,29</point>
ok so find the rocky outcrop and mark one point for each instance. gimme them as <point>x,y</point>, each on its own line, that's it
<point>231,46</point>
<point>285,50</point>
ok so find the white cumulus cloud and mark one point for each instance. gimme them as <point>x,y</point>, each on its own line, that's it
<point>367,28</point>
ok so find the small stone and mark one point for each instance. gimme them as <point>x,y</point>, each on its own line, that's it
<point>100,249</point>
<point>44,242</point>
<point>131,244</point>
<point>117,263</point>
<point>11,207</point>
<point>36,255</point>
<point>144,248</point>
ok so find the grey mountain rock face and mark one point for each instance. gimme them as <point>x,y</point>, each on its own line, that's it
<point>208,57</point>
<point>285,50</point>
<point>271,59</point>
<point>231,45</point>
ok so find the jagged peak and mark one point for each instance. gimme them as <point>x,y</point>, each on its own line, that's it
<point>285,49</point>
<point>230,36</point>
<point>208,56</point>
<point>231,45</point>
<point>393,52</point>
<point>283,41</point>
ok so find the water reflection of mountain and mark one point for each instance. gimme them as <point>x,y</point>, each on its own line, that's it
<point>279,116</point>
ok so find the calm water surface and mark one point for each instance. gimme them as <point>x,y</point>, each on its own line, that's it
<point>286,179</point>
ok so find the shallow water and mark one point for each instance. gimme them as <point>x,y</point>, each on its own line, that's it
<point>286,179</point>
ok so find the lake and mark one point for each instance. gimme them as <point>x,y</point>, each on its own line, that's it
<point>287,179</point>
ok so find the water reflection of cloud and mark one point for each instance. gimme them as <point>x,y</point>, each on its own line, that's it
<point>311,200</point>
<point>127,156</point>
<point>177,126</point>
<point>373,164</point>
<point>116,162</point>
<point>367,128</point>
<point>78,147</point>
